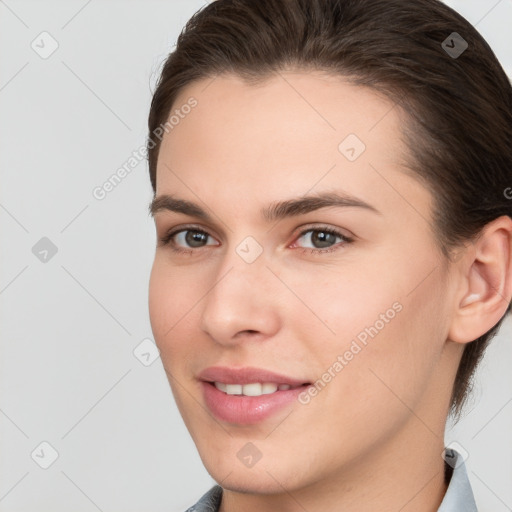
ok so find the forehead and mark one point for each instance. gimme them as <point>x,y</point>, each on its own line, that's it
<point>299,106</point>
<point>291,133</point>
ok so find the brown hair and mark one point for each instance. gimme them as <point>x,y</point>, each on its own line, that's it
<point>458,107</point>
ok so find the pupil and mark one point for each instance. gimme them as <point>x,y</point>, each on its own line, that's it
<point>194,237</point>
<point>323,237</point>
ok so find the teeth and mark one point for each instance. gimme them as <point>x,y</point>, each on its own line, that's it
<point>221,386</point>
<point>253,389</point>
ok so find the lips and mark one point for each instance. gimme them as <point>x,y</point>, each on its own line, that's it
<point>247,375</point>
<point>239,409</point>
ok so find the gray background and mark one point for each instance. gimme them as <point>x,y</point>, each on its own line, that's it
<point>70,324</point>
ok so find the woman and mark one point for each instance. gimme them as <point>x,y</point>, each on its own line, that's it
<point>332,204</point>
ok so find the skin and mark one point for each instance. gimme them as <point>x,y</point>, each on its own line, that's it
<point>372,439</point>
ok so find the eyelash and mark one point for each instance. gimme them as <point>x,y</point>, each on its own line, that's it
<point>166,240</point>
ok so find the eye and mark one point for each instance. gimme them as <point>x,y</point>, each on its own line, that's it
<point>193,238</point>
<point>321,238</point>
<point>187,240</point>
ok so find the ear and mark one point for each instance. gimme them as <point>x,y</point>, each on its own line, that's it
<point>485,289</point>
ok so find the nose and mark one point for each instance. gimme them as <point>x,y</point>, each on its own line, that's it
<point>241,301</point>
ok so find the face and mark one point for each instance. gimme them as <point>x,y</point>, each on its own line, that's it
<point>340,296</point>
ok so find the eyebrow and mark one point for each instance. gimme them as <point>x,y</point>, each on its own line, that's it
<point>274,211</point>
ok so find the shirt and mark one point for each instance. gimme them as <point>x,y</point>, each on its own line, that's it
<point>458,497</point>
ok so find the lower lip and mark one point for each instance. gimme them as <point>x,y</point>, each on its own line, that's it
<point>245,410</point>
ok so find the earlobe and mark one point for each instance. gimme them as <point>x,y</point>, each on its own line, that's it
<point>486,283</point>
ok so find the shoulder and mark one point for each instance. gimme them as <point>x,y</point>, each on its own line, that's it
<point>209,502</point>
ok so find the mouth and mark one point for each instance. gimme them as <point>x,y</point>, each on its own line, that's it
<point>248,395</point>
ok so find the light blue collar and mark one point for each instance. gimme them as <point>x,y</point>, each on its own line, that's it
<point>459,496</point>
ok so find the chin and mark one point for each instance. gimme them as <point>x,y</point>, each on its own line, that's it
<point>250,484</point>
<point>258,479</point>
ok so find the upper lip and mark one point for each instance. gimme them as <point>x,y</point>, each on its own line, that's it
<point>246,375</point>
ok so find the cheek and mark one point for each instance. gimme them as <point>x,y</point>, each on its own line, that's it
<point>170,304</point>
<point>336,306</point>
<point>373,332</point>
<point>400,360</point>
<point>171,314</point>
